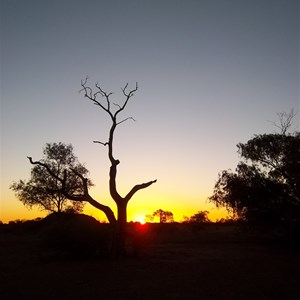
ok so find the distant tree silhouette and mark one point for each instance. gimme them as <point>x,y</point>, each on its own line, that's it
<point>199,217</point>
<point>113,110</point>
<point>45,191</point>
<point>164,216</point>
<point>265,188</point>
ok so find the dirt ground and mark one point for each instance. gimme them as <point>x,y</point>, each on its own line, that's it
<point>175,263</point>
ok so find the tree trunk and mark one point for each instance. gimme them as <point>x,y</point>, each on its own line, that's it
<point>120,236</point>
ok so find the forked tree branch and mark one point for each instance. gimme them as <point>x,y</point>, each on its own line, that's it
<point>130,92</point>
<point>128,95</point>
<point>88,93</point>
<point>137,188</point>
<point>129,118</point>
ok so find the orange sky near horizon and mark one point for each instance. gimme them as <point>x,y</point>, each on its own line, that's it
<point>139,206</point>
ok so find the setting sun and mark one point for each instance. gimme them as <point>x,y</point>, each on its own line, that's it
<point>139,218</point>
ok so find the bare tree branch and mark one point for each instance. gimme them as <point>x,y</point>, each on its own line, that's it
<point>104,94</point>
<point>130,92</point>
<point>98,142</point>
<point>285,121</point>
<point>129,118</point>
<point>137,188</point>
<point>93,96</point>
<point>46,167</point>
<point>116,104</point>
<point>128,96</point>
<point>84,183</point>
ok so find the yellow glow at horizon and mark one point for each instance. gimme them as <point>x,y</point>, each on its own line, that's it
<point>145,202</point>
<point>137,212</point>
<point>139,218</point>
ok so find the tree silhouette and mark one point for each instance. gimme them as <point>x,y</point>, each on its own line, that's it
<point>103,101</point>
<point>265,188</point>
<point>43,190</point>
<point>199,217</point>
<point>164,216</point>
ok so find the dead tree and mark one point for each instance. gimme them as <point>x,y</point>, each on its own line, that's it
<point>120,201</point>
<point>105,104</point>
<point>285,121</point>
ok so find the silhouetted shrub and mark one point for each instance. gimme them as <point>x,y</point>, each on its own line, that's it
<point>22,226</point>
<point>74,236</point>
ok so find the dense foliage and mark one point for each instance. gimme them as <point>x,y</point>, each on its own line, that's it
<point>45,191</point>
<point>265,187</point>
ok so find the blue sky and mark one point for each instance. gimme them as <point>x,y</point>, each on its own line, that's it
<point>210,74</point>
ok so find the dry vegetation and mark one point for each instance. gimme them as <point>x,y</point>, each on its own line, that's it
<point>168,261</point>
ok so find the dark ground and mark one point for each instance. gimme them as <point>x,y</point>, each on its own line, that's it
<point>175,262</point>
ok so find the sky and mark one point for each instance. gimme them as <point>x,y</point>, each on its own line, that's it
<point>211,74</point>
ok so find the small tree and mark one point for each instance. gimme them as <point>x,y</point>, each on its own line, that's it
<point>45,191</point>
<point>102,100</point>
<point>164,216</point>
